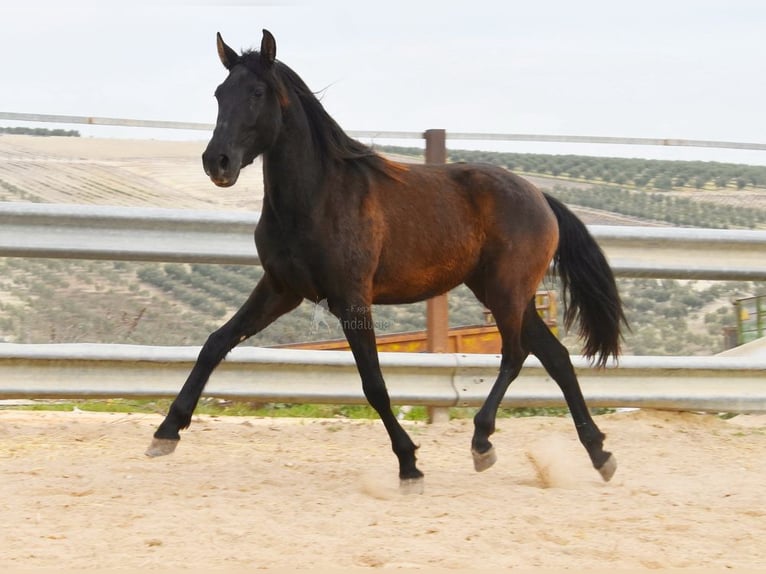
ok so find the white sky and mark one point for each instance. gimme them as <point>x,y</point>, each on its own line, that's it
<point>692,69</point>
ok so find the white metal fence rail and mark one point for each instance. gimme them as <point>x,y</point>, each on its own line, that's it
<point>396,135</point>
<point>126,233</point>
<point>716,384</point>
<point>139,234</point>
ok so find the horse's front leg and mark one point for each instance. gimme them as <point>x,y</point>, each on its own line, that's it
<point>356,320</point>
<point>264,305</point>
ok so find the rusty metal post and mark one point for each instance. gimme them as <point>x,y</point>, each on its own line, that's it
<point>436,146</point>
<point>437,318</point>
<point>437,309</point>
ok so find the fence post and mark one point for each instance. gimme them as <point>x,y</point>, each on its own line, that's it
<point>437,309</point>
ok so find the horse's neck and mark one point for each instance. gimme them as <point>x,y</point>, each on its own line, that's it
<point>292,172</point>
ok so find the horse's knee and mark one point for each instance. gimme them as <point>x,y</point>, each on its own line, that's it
<point>215,348</point>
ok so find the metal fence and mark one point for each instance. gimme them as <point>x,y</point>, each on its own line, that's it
<point>78,370</point>
<point>89,232</point>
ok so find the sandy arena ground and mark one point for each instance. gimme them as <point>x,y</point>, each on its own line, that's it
<point>240,493</point>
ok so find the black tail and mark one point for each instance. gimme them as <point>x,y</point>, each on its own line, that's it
<point>590,292</point>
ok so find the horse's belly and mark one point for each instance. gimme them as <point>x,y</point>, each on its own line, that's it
<point>412,279</point>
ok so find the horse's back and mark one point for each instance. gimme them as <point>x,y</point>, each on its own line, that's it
<point>465,202</point>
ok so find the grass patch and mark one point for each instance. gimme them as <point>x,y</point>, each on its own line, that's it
<point>727,416</point>
<point>93,405</point>
<point>221,407</point>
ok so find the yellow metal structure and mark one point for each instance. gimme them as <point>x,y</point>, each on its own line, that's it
<point>469,339</point>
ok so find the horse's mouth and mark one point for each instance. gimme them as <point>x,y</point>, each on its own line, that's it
<point>224,181</point>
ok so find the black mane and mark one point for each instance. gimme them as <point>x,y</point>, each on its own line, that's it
<point>329,137</point>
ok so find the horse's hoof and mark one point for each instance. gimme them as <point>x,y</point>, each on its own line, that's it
<point>483,460</point>
<point>161,447</point>
<point>411,485</point>
<point>608,469</point>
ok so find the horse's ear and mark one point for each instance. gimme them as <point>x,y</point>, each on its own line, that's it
<point>268,48</point>
<point>228,56</point>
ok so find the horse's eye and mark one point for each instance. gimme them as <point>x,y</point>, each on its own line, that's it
<point>257,93</point>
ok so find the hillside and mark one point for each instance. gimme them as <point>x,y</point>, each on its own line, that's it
<point>172,304</point>
<point>145,173</point>
<point>712,178</point>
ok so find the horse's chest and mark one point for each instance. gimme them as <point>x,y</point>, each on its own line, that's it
<point>289,264</point>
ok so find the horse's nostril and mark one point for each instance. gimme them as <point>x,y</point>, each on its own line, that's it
<point>223,161</point>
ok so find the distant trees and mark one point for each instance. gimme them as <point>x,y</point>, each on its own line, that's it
<point>661,175</point>
<point>67,301</point>
<point>682,211</point>
<point>39,132</point>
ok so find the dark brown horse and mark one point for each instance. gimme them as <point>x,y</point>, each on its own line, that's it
<point>344,224</point>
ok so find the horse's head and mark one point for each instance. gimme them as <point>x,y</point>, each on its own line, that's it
<point>249,111</point>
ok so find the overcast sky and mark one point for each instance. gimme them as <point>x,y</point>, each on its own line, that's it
<point>693,69</point>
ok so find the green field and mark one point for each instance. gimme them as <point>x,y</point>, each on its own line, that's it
<point>57,301</point>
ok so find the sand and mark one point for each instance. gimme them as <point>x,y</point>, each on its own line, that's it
<point>250,493</point>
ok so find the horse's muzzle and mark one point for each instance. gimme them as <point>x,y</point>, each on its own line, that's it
<point>221,168</point>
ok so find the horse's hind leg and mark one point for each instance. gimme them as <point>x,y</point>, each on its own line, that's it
<point>555,358</point>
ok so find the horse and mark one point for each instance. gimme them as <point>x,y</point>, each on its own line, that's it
<point>341,223</point>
